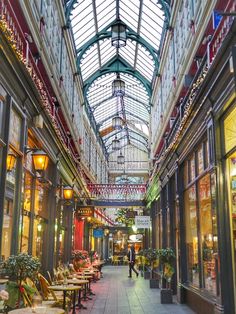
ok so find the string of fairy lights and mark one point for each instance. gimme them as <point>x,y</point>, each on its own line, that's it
<point>10,36</point>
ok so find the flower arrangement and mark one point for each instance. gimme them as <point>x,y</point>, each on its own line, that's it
<point>18,268</point>
<point>80,259</point>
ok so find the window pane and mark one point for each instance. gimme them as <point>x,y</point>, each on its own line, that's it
<point>191,235</point>
<point>192,168</point>
<point>200,160</point>
<point>208,238</point>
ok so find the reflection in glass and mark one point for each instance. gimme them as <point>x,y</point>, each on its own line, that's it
<point>208,235</point>
<point>191,235</point>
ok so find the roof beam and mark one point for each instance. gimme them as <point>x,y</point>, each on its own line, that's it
<point>117,62</point>
<point>106,33</point>
<point>138,31</point>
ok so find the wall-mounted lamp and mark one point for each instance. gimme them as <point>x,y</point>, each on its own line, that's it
<point>68,193</point>
<point>40,160</point>
<point>11,161</point>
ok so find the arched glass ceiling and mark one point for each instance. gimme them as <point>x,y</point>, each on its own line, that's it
<point>133,109</point>
<point>90,21</point>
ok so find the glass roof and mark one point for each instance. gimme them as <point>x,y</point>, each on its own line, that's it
<point>145,18</point>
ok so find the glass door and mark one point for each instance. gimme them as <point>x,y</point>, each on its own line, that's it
<point>232,204</point>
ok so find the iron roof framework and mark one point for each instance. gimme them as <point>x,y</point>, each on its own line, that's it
<point>98,62</point>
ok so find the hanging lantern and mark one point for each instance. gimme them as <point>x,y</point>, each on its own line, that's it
<point>120,159</point>
<point>40,160</point>
<point>118,87</point>
<point>117,122</point>
<point>116,143</point>
<point>11,160</point>
<point>68,192</point>
<point>124,176</point>
<point>118,34</point>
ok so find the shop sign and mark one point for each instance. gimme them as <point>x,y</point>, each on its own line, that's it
<point>85,211</point>
<point>142,222</point>
<point>98,233</point>
<point>136,237</point>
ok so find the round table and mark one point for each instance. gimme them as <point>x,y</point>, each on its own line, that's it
<point>49,310</point>
<point>81,282</point>
<point>3,281</point>
<point>65,289</point>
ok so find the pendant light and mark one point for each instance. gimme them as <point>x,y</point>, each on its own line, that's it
<point>118,34</point>
<point>117,122</point>
<point>120,159</point>
<point>115,144</point>
<point>118,87</point>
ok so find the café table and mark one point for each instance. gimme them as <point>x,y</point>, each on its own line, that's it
<point>3,281</point>
<point>65,289</point>
<point>80,282</point>
<point>48,310</point>
<point>89,278</point>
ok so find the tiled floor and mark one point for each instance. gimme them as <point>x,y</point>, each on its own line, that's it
<point>118,294</point>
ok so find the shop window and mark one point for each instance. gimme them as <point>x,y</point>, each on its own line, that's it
<point>38,230</point>
<point>230,131</point>
<point>191,235</point>
<point>232,203</point>
<point>25,217</point>
<point>15,135</point>
<point>7,228</point>
<point>208,235</point>
<point>192,168</point>
<point>2,104</point>
<point>40,217</point>
<point>200,160</point>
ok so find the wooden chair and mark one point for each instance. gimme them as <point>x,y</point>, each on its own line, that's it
<point>27,299</point>
<point>49,295</point>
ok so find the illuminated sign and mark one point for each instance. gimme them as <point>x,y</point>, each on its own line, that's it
<point>85,212</point>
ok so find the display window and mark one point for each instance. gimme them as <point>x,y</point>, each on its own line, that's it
<point>12,166</point>
<point>25,217</point>
<point>209,243</point>
<point>191,235</point>
<point>201,223</point>
<point>231,161</point>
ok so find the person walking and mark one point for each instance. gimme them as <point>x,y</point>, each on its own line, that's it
<point>131,257</point>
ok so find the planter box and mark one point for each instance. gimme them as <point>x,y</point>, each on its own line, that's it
<point>166,296</point>
<point>146,274</point>
<point>154,283</point>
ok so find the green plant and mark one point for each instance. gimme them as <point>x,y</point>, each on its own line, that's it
<point>151,257</point>
<point>166,259</point>
<point>18,268</point>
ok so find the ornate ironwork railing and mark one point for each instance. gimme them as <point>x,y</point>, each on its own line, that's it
<point>117,191</point>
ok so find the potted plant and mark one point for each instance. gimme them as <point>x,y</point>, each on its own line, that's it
<point>18,268</point>
<point>166,260</point>
<point>152,258</point>
<point>79,259</point>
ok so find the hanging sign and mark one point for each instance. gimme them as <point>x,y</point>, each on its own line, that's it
<point>85,211</point>
<point>142,222</point>
<point>98,233</point>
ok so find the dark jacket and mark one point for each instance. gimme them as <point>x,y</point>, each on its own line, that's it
<point>132,254</point>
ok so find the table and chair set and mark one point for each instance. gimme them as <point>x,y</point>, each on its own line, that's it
<point>66,291</point>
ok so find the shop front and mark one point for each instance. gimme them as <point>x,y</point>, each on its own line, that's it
<point>229,164</point>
